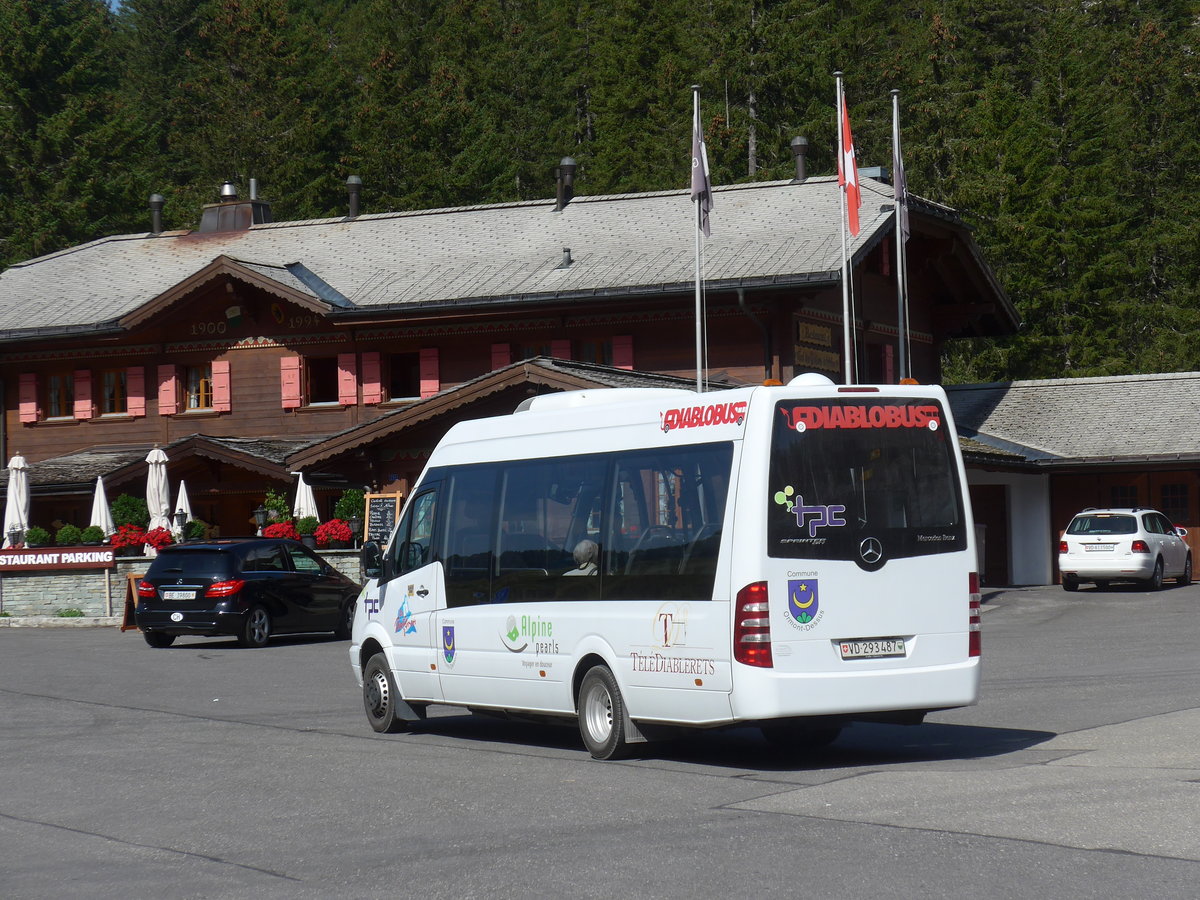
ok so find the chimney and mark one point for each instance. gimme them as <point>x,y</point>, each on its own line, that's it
<point>799,151</point>
<point>354,189</point>
<point>232,214</point>
<point>564,175</point>
<point>156,208</point>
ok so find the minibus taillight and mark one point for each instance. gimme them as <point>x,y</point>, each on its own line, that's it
<point>224,588</point>
<point>1140,547</point>
<point>752,626</point>
<point>974,641</point>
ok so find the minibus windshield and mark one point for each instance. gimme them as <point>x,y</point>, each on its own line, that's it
<point>846,470</point>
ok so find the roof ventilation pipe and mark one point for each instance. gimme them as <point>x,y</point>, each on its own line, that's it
<point>156,208</point>
<point>564,175</point>
<point>800,151</point>
<point>228,191</point>
<point>354,189</point>
<point>253,188</point>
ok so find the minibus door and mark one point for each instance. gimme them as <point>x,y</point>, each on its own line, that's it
<point>409,601</point>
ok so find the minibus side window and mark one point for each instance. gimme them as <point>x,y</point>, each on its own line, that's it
<point>470,534</point>
<point>547,530</point>
<point>667,508</point>
<point>413,546</point>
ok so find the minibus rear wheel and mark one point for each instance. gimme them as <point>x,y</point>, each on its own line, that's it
<point>380,695</point>
<point>602,714</point>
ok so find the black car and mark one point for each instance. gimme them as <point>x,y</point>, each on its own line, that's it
<point>250,588</point>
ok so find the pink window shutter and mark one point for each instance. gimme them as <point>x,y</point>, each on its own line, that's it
<point>622,351</point>
<point>560,349</point>
<point>372,382</point>
<point>347,364</point>
<point>289,381</point>
<point>430,376</point>
<point>29,398</point>
<point>168,390</point>
<point>222,391</point>
<point>135,386</point>
<point>501,355</point>
<point>84,407</point>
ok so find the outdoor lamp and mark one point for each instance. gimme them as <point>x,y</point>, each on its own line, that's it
<point>14,536</point>
<point>260,516</point>
<point>180,519</point>
<point>355,524</point>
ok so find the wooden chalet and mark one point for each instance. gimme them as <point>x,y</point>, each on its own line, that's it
<point>251,350</point>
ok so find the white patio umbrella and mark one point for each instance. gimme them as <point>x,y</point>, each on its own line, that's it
<point>182,502</point>
<point>16,503</point>
<point>158,492</point>
<point>306,503</point>
<point>101,514</point>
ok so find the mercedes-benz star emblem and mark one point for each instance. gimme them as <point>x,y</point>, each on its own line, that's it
<point>870,550</point>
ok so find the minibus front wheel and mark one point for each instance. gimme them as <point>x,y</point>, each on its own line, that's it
<point>602,714</point>
<point>381,697</point>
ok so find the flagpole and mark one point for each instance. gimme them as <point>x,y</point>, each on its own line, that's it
<point>846,377</point>
<point>900,186</point>
<point>699,226</point>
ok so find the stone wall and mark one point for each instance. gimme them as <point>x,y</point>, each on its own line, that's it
<point>101,592</point>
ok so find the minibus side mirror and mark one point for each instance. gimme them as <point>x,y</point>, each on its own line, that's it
<point>371,559</point>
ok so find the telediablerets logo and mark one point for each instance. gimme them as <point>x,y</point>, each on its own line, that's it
<point>698,416</point>
<point>802,418</point>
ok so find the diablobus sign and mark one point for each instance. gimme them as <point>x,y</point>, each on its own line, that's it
<point>56,560</point>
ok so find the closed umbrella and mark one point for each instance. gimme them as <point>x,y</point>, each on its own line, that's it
<point>182,503</point>
<point>16,504</point>
<point>158,492</point>
<point>306,503</point>
<point>101,514</point>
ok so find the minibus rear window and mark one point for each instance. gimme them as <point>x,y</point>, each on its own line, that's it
<point>853,468</point>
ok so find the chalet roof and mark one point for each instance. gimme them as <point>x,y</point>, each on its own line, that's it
<point>1068,421</point>
<point>75,471</point>
<point>764,234</point>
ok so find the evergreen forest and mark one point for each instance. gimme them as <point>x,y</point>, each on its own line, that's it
<point>1065,132</point>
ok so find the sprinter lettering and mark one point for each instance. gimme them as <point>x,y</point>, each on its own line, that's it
<point>699,416</point>
<point>801,418</point>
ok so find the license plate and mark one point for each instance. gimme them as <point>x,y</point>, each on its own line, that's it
<point>875,648</point>
<point>179,595</point>
<point>1092,548</point>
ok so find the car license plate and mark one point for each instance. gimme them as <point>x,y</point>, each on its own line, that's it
<point>1092,548</point>
<point>875,648</point>
<point>179,595</point>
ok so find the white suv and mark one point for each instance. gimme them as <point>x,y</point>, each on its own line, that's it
<point>1103,545</point>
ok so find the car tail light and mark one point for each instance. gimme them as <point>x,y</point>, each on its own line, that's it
<point>224,588</point>
<point>1062,547</point>
<point>974,618</point>
<point>752,626</point>
<point>1140,547</point>
<point>146,589</point>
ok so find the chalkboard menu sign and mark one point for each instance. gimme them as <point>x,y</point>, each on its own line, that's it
<point>382,512</point>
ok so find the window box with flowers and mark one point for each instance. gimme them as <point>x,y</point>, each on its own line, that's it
<point>128,540</point>
<point>334,534</point>
<point>159,538</point>
<point>281,530</point>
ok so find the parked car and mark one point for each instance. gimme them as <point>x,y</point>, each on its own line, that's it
<point>251,588</point>
<point>1105,545</point>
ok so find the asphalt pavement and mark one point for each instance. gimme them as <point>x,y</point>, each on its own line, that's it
<point>206,770</point>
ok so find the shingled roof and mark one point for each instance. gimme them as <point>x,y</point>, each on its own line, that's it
<point>1068,421</point>
<point>764,234</point>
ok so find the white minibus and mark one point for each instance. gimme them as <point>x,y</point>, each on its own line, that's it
<point>793,557</point>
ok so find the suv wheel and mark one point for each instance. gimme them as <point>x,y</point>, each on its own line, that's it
<point>157,639</point>
<point>256,630</point>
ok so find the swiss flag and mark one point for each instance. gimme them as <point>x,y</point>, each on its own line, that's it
<point>848,172</point>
